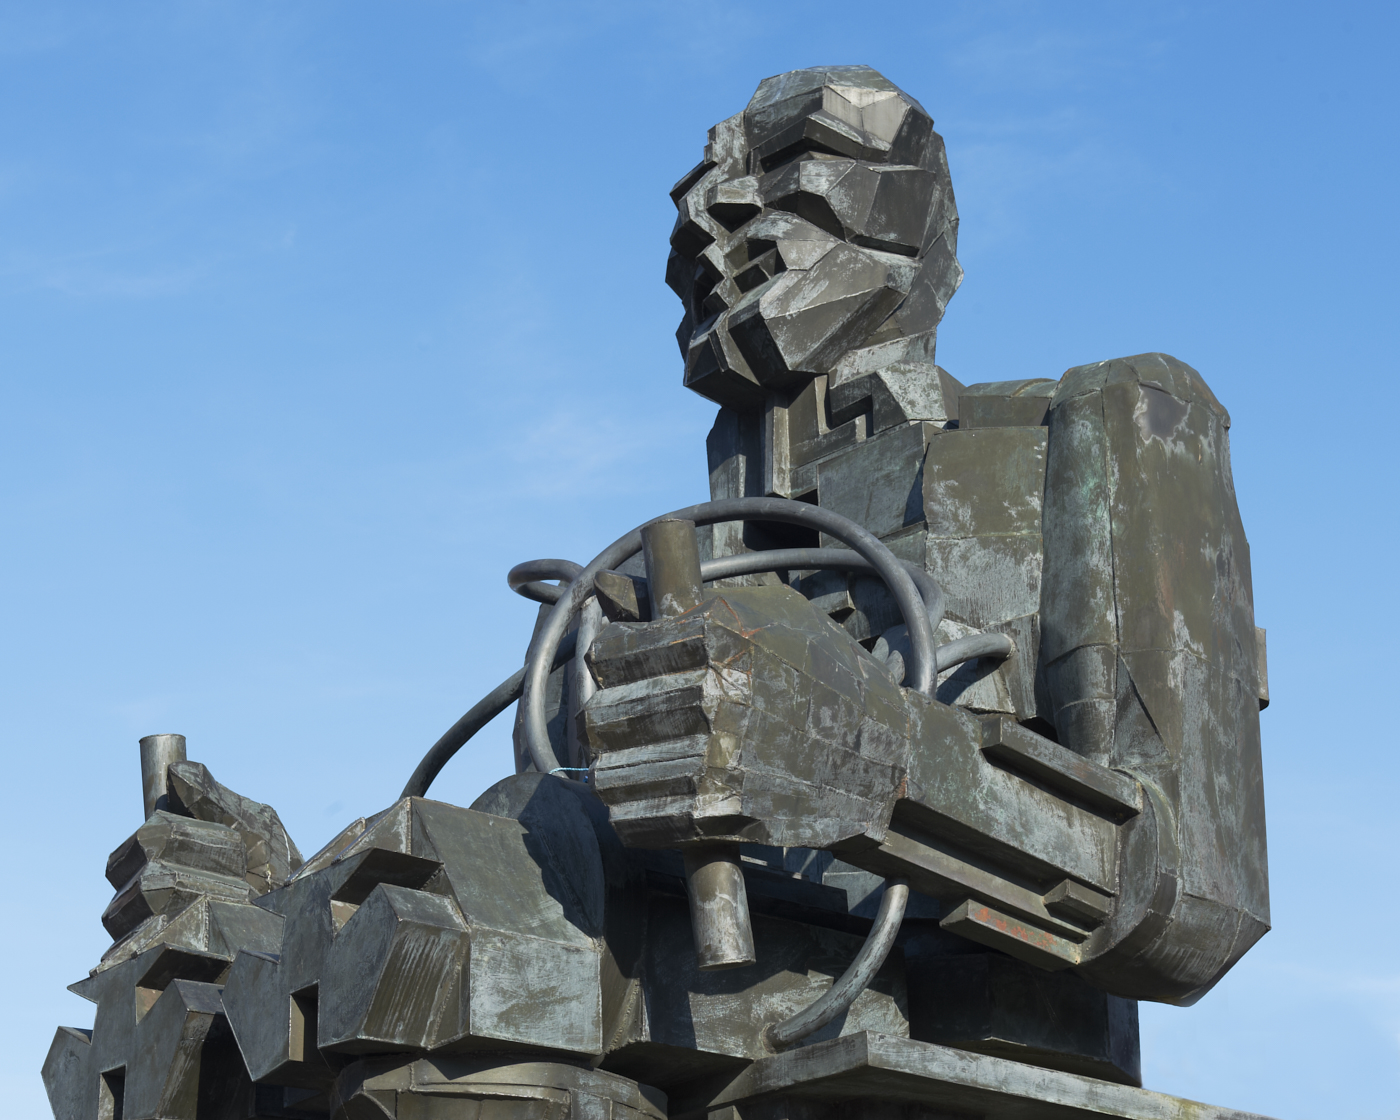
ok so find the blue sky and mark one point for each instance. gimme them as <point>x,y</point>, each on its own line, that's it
<point>315,318</point>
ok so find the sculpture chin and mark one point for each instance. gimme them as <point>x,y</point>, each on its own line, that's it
<point>797,325</point>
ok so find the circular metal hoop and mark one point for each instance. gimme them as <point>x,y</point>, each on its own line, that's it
<point>922,670</point>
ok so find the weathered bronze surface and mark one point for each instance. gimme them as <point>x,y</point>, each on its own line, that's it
<point>885,782</point>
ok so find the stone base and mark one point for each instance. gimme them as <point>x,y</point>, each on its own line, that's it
<point>872,1075</point>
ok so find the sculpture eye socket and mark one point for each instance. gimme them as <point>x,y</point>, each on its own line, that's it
<point>731,215</point>
<point>734,202</point>
<point>805,148</point>
<point>706,278</point>
<point>763,267</point>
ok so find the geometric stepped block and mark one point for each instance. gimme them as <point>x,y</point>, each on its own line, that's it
<point>528,990</point>
<point>271,855</point>
<point>207,926</point>
<point>182,842</point>
<point>392,977</point>
<point>695,1017</point>
<point>169,863</point>
<point>993,1004</point>
<point>276,1029</point>
<point>177,1061</point>
<point>162,1077</point>
<point>526,902</point>
<point>72,1089</point>
<point>489,1089</point>
<point>272,998</point>
<point>878,1077</point>
<point>166,889</point>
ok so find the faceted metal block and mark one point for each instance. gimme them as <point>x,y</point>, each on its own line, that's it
<point>491,1088</point>
<point>987,580</point>
<point>392,977</point>
<point>994,1004</point>
<point>1005,404</point>
<point>271,854</point>
<point>169,863</point>
<point>725,1012</point>
<point>873,1075</point>
<point>982,483</point>
<point>877,484</point>
<point>68,1078</point>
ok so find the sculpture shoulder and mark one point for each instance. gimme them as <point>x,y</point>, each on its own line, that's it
<point>1153,371</point>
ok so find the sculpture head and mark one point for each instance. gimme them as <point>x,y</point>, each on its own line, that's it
<point>820,224</point>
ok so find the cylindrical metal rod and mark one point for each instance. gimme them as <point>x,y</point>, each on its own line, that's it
<point>836,559</point>
<point>478,716</point>
<point>157,753</point>
<point>974,645</point>
<point>719,903</point>
<point>673,567</point>
<point>839,997</point>
<point>719,906</point>
<point>527,579</point>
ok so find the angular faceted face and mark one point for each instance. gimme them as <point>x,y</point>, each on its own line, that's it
<point>821,220</point>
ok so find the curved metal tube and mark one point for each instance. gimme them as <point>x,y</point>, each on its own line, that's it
<point>897,578</point>
<point>839,997</point>
<point>843,559</point>
<point>870,556</point>
<point>836,559</point>
<point>524,579</point>
<point>974,645</point>
<point>480,714</point>
<point>521,579</point>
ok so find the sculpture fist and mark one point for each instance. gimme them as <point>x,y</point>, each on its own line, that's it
<point>751,717</point>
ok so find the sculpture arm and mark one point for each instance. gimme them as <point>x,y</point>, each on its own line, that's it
<point>1150,654</point>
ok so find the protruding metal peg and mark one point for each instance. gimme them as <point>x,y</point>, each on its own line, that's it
<point>673,567</point>
<point>157,753</point>
<point>719,906</point>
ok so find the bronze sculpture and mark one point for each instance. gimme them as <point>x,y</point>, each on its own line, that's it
<point>887,780</point>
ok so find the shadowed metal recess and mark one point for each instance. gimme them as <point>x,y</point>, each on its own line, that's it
<point>884,782</point>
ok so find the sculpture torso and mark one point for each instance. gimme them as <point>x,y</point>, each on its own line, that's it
<point>1091,519</point>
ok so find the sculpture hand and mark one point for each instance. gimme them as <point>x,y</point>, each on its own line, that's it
<point>751,717</point>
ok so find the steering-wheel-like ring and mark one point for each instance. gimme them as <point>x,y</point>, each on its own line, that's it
<point>922,670</point>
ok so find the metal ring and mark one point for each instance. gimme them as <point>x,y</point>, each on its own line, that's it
<point>524,579</point>
<point>837,999</point>
<point>922,672</point>
<point>834,559</point>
